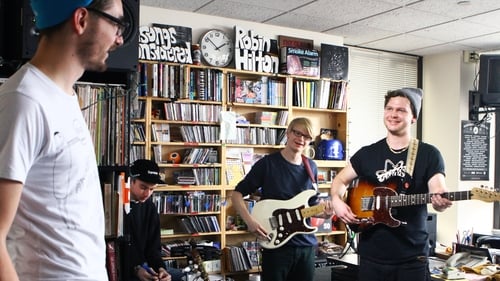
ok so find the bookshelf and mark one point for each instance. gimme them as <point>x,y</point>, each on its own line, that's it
<point>176,115</point>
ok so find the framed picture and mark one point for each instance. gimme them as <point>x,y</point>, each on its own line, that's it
<point>322,176</point>
<point>333,173</point>
<point>301,43</point>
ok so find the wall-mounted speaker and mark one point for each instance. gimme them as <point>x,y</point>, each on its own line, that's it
<point>125,58</point>
<point>20,39</point>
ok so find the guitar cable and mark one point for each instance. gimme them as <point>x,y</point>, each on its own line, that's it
<point>350,243</point>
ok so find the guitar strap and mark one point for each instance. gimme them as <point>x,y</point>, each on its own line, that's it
<point>309,171</point>
<point>412,156</point>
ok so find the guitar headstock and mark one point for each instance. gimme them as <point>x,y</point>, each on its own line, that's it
<point>484,194</point>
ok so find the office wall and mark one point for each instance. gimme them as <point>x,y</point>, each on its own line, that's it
<point>446,82</point>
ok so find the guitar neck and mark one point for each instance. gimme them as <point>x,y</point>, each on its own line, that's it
<point>312,211</point>
<point>422,199</point>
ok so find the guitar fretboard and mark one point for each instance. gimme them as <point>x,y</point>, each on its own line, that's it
<point>421,199</point>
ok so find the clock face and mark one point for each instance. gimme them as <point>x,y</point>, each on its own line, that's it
<point>217,48</point>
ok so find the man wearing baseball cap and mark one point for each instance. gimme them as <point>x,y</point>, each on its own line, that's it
<point>142,254</point>
<point>51,210</point>
<point>408,167</point>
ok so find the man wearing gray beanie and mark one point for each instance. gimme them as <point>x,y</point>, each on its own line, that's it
<point>51,208</point>
<point>394,243</point>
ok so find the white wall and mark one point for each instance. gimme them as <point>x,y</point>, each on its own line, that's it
<point>446,83</point>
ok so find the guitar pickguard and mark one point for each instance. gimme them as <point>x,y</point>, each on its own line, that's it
<point>286,222</point>
<point>282,219</point>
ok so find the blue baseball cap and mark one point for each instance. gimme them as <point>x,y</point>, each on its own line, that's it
<point>52,12</point>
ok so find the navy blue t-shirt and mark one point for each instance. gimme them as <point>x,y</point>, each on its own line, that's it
<point>280,180</point>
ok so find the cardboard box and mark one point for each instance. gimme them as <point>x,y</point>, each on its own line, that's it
<point>300,62</point>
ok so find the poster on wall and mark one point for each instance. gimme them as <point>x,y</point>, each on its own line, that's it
<point>165,43</point>
<point>475,151</point>
<point>255,52</point>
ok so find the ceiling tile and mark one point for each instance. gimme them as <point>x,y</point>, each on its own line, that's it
<point>489,19</point>
<point>274,4</point>
<point>357,33</point>
<point>345,11</point>
<point>402,20</point>
<point>241,11</point>
<point>453,31</point>
<point>450,8</point>
<point>190,6</point>
<point>442,48</point>
<point>484,43</point>
<point>301,21</point>
<point>402,43</point>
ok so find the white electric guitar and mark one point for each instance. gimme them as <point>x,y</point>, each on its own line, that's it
<point>282,219</point>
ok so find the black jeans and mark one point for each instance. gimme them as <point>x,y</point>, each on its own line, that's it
<point>288,264</point>
<point>417,270</point>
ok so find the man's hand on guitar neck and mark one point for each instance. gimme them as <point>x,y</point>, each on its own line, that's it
<point>440,203</point>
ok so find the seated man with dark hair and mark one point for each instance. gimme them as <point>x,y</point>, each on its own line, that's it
<point>142,253</point>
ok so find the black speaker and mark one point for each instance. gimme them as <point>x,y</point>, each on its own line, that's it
<point>2,29</point>
<point>125,58</point>
<point>20,38</point>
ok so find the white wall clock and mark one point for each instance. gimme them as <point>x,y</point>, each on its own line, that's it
<point>217,48</point>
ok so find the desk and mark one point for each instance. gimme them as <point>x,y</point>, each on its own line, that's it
<point>345,268</point>
<point>468,277</point>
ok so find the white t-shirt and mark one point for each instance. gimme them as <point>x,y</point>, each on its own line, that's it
<point>58,230</point>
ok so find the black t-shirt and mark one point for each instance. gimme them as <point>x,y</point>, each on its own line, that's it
<point>377,164</point>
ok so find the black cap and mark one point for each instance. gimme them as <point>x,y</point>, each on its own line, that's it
<point>145,170</point>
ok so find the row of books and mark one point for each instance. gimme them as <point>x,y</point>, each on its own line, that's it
<point>187,202</point>
<point>196,112</point>
<point>105,109</point>
<point>169,81</point>
<point>160,80</point>
<point>200,156</point>
<point>160,132</point>
<point>264,90</point>
<point>137,132</point>
<point>204,84</point>
<point>271,118</point>
<point>260,136</point>
<point>242,258</point>
<point>325,94</point>
<point>199,133</point>
<point>200,224</point>
<point>197,176</point>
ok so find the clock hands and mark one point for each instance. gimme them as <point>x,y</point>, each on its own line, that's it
<point>217,48</point>
<point>212,42</point>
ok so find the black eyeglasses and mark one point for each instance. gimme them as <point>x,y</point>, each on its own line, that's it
<point>122,25</point>
<point>300,135</point>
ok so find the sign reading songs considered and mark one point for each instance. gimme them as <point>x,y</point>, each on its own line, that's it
<point>168,43</point>
<point>254,52</point>
<point>475,151</point>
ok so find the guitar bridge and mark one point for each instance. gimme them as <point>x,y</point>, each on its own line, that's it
<point>273,222</point>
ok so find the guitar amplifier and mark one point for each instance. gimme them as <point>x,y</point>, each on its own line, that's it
<point>345,268</point>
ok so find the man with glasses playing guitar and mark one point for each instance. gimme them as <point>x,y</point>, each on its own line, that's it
<point>289,244</point>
